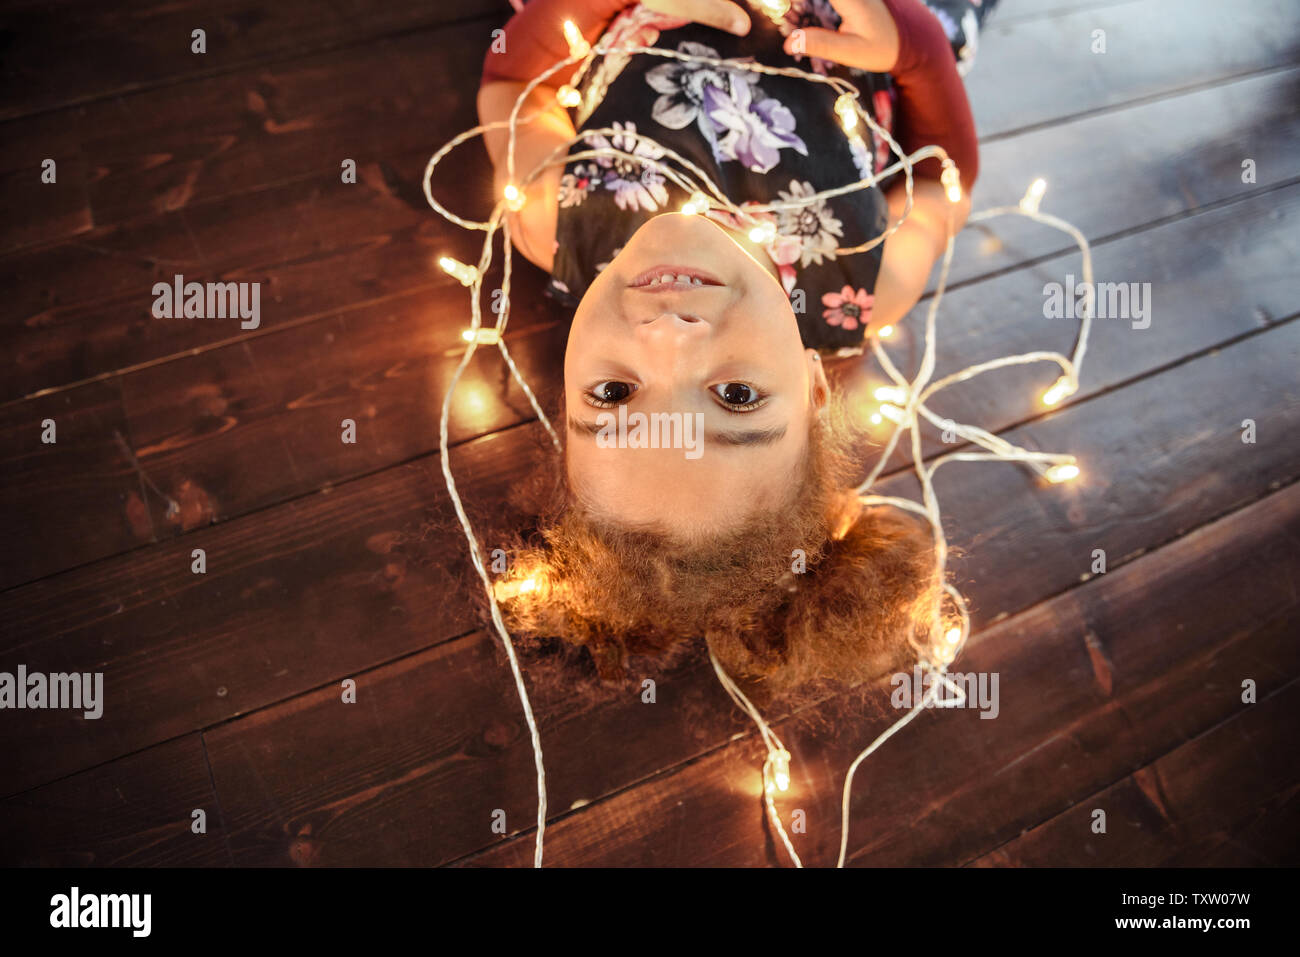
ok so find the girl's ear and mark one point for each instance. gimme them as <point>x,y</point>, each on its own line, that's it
<point>820,391</point>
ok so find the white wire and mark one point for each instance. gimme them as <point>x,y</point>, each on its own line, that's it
<point>940,651</point>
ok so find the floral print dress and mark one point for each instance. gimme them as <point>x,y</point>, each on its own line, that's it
<point>760,138</point>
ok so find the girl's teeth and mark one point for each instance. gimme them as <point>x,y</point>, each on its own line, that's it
<point>681,279</point>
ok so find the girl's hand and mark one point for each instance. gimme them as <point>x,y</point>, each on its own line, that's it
<point>867,38</point>
<point>722,14</point>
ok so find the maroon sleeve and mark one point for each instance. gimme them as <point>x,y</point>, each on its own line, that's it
<point>932,103</point>
<point>534,37</point>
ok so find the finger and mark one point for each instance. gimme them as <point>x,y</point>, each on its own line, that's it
<point>844,48</point>
<point>722,14</point>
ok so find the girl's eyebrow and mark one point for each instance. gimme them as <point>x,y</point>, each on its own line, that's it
<point>733,437</point>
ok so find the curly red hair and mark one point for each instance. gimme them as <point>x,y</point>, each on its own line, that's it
<point>816,595</point>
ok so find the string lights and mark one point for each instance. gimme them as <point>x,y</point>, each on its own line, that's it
<point>903,403</point>
<point>697,204</point>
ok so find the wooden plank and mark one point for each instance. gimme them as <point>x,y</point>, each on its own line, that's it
<point>1121,169</point>
<point>1011,11</point>
<point>1223,799</point>
<point>240,428</point>
<point>413,773</point>
<point>290,600</point>
<point>187,144</point>
<point>1203,281</point>
<point>106,51</point>
<point>314,246</point>
<point>34,211</point>
<point>1092,684</point>
<point>54,493</point>
<point>134,812</point>
<point>1008,93</point>
<point>1029,542</point>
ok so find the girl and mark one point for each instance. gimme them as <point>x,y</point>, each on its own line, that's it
<point>758,543</point>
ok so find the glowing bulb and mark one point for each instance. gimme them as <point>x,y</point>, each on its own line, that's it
<point>846,108</point>
<point>514,197</point>
<point>568,96</point>
<point>1033,196</point>
<point>776,8</point>
<point>504,591</point>
<point>763,233</point>
<point>952,183</point>
<point>698,203</point>
<point>892,412</point>
<point>578,45</point>
<point>463,274</point>
<point>953,636</point>
<point>1059,390</point>
<point>885,332</point>
<point>1062,473</point>
<point>484,337</point>
<point>876,419</point>
<point>887,393</point>
<point>781,769</point>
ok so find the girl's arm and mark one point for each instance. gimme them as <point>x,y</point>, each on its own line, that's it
<point>911,252</point>
<point>903,38</point>
<point>532,229</point>
<point>534,41</point>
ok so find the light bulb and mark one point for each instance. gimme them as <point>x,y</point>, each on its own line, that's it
<point>514,197</point>
<point>885,332</point>
<point>1062,473</point>
<point>846,108</point>
<point>1033,196</point>
<point>504,591</point>
<point>781,769</point>
<point>568,96</point>
<point>952,183</point>
<point>463,274</point>
<point>776,8</point>
<point>876,419</point>
<point>892,412</point>
<point>483,336</point>
<point>763,233</point>
<point>698,203</point>
<point>1059,390</point>
<point>578,45</point>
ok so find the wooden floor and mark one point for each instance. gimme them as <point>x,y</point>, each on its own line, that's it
<point>1119,691</point>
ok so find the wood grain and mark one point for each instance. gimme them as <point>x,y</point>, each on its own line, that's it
<point>1224,799</point>
<point>137,811</point>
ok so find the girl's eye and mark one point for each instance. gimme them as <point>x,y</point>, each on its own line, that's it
<point>738,397</point>
<point>606,394</point>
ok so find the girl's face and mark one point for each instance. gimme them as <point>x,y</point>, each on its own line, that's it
<point>717,344</point>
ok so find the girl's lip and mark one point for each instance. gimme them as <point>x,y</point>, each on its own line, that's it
<point>643,280</point>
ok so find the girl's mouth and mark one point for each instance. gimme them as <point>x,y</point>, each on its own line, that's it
<point>676,278</point>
